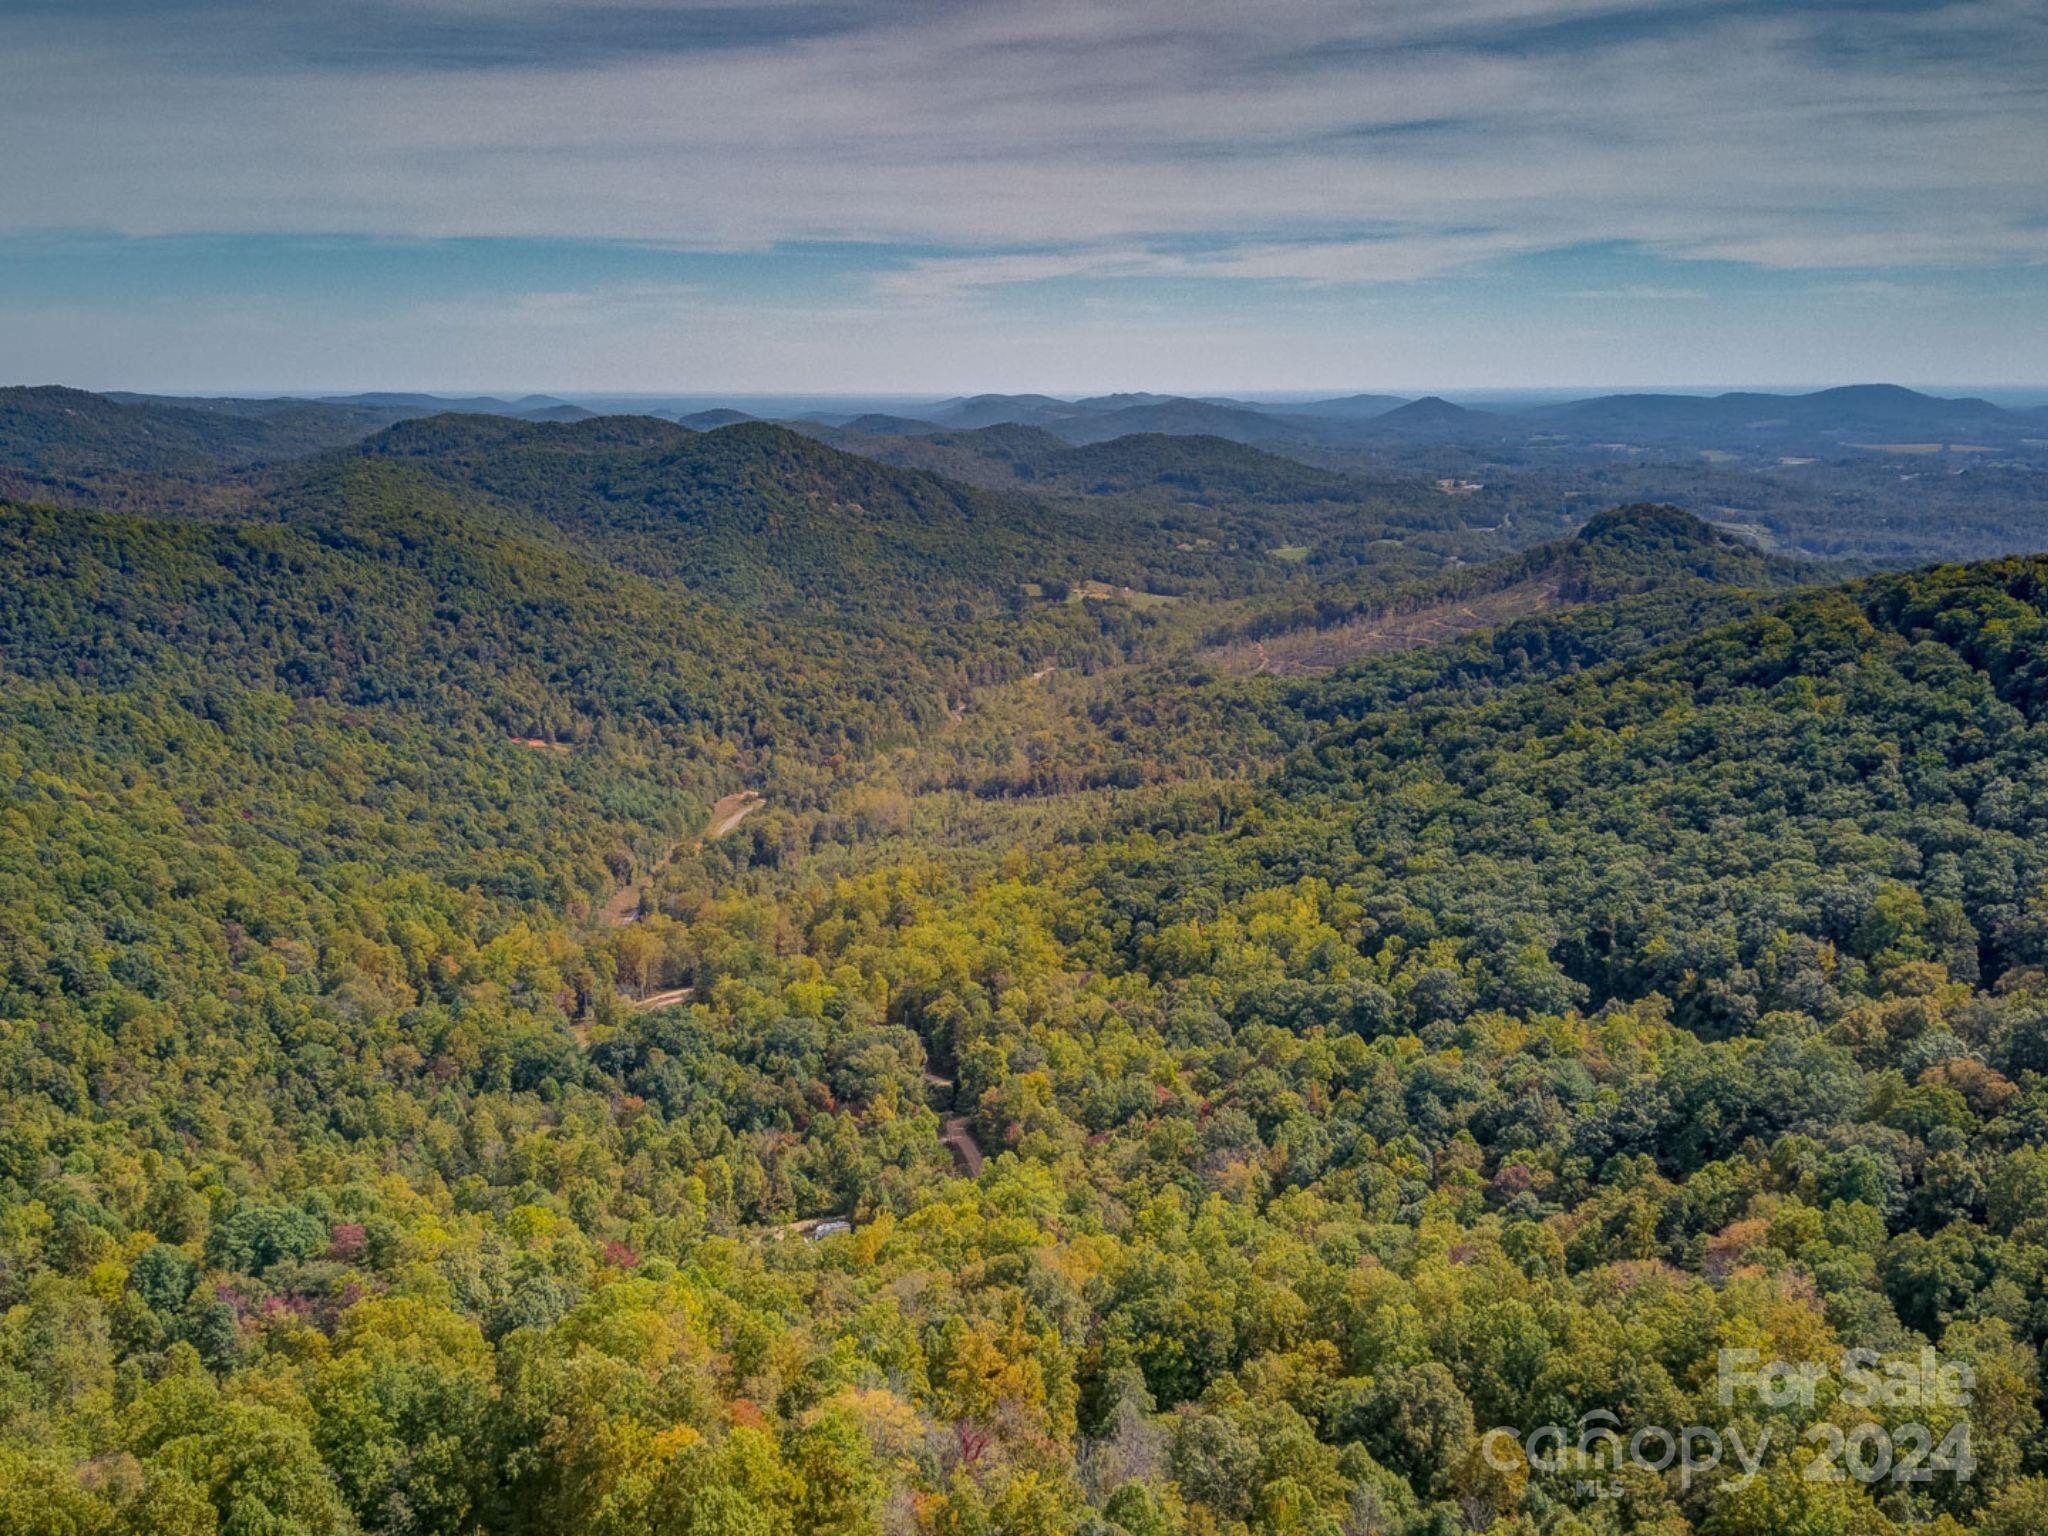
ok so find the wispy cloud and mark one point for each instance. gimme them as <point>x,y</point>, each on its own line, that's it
<point>1005,144</point>
<point>1767,133</point>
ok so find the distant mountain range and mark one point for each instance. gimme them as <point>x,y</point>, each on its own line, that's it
<point>67,445</point>
<point>1866,408</point>
<point>1856,419</point>
<point>1850,416</point>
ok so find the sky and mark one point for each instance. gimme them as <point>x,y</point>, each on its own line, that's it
<point>941,196</point>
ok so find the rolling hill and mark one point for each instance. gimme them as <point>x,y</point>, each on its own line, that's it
<point>366,583</point>
<point>1191,468</point>
<point>1000,410</point>
<point>1883,412</point>
<point>67,445</point>
<point>879,424</point>
<point>526,407</point>
<point>1178,417</point>
<point>708,421</point>
<point>1226,514</point>
<point>764,515</point>
<point>779,520</point>
<point>1688,567</point>
<point>1343,407</point>
<point>1102,417</point>
<point>1851,420</point>
<point>1095,1092</point>
<point>1847,419</point>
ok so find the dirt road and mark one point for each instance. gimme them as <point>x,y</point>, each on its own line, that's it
<point>955,1130</point>
<point>668,999</point>
<point>959,1139</point>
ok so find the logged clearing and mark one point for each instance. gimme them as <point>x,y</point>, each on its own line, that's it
<point>624,906</point>
<point>1102,592</point>
<point>1306,651</point>
<point>729,811</point>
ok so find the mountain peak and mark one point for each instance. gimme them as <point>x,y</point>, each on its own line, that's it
<point>1430,413</point>
<point>1625,548</point>
<point>1646,521</point>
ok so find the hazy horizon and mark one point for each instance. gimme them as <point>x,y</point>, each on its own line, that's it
<point>2012,395</point>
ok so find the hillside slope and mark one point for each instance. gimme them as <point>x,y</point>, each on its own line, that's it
<point>370,583</point>
<point>1617,553</point>
<point>71,446</point>
<point>759,513</point>
<point>778,520</point>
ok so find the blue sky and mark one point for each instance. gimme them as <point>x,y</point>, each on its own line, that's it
<point>903,196</point>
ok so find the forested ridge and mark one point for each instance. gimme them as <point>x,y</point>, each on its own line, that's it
<point>83,449</point>
<point>771,516</point>
<point>1485,1033</point>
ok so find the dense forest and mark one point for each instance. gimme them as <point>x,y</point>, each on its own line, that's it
<point>591,977</point>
